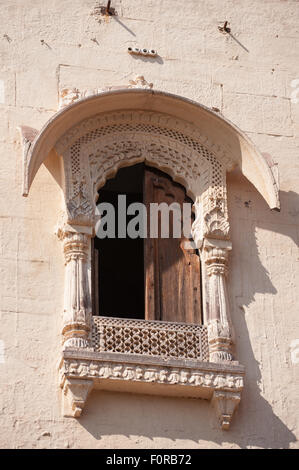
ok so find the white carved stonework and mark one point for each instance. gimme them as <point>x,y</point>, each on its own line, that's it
<point>28,135</point>
<point>140,82</point>
<point>137,356</point>
<point>75,393</point>
<point>225,403</point>
<point>216,223</point>
<point>220,341</point>
<point>68,96</point>
<point>215,255</point>
<point>137,374</point>
<point>150,338</point>
<point>94,150</point>
<point>77,302</point>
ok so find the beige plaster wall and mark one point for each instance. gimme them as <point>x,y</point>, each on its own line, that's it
<point>248,77</point>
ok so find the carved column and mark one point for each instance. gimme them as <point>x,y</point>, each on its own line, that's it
<point>77,299</point>
<point>215,254</point>
<point>211,234</point>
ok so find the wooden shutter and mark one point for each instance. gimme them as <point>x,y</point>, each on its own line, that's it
<point>94,278</point>
<point>172,272</point>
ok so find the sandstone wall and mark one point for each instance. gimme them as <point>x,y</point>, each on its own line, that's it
<point>46,46</point>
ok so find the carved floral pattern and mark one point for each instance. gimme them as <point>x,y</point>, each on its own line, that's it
<point>78,376</point>
<point>68,96</point>
<point>145,373</point>
<point>94,150</point>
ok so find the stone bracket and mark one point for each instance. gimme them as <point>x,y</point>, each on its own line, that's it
<point>28,135</point>
<point>81,371</point>
<point>75,393</point>
<point>225,404</point>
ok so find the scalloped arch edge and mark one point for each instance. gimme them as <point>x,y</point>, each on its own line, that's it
<point>259,169</point>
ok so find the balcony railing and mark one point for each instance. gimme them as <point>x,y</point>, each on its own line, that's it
<point>150,338</point>
<point>151,357</point>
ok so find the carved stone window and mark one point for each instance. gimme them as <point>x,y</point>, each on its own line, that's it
<point>95,137</point>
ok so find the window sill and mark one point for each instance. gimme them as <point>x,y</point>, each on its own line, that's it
<point>85,369</point>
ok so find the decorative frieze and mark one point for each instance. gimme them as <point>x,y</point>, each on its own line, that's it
<point>161,373</point>
<point>111,371</point>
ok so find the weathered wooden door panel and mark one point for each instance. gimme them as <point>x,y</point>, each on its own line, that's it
<point>172,271</point>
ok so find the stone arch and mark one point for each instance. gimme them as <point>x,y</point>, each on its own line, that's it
<point>216,133</point>
<point>95,149</point>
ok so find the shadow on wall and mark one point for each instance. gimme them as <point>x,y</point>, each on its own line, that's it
<point>117,420</point>
<point>259,237</point>
<point>124,420</point>
<point>260,234</point>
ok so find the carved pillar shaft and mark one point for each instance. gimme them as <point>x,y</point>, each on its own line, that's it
<point>219,324</point>
<point>77,301</point>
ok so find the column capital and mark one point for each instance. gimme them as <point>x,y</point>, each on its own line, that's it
<point>65,230</point>
<point>210,243</point>
<point>215,255</point>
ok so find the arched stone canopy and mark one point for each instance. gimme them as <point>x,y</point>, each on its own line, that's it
<point>97,147</point>
<point>226,141</point>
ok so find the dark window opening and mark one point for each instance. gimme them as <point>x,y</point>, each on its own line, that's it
<point>120,281</point>
<point>144,278</point>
